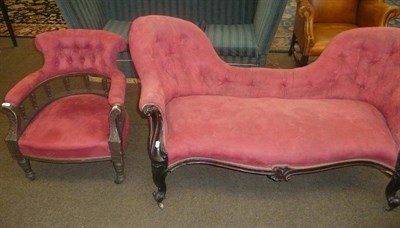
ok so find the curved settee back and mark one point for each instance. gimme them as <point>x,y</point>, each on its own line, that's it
<point>362,64</point>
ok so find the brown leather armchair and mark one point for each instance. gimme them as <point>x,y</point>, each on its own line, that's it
<point>318,21</point>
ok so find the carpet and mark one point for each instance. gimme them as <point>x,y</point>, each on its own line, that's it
<point>31,17</point>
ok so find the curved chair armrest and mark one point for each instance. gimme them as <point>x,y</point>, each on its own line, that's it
<point>305,9</point>
<point>10,111</point>
<point>375,13</point>
<point>23,88</point>
<point>118,86</point>
<point>117,134</point>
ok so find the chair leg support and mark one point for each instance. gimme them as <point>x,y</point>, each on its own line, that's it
<point>119,170</point>
<point>26,166</point>
<point>391,189</point>
<point>303,61</point>
<point>299,58</point>
<point>292,43</point>
<point>159,175</point>
<point>4,10</point>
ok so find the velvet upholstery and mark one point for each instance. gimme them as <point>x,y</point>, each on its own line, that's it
<point>72,117</point>
<point>318,21</point>
<point>355,82</point>
<point>68,51</point>
<point>84,117</point>
<point>266,132</point>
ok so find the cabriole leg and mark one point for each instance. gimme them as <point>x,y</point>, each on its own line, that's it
<point>159,175</point>
<point>26,166</point>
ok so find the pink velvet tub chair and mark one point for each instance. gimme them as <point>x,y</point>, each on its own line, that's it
<point>72,109</point>
<point>342,110</point>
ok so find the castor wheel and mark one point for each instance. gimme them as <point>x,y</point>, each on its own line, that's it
<point>393,203</point>
<point>159,197</point>
<point>31,176</point>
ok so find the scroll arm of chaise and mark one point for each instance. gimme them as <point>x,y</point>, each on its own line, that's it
<point>153,93</point>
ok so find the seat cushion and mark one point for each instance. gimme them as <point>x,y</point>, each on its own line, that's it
<point>71,128</point>
<point>259,133</point>
<point>233,40</point>
<point>323,34</point>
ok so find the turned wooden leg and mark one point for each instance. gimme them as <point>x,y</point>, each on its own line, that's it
<point>119,170</point>
<point>26,166</point>
<point>392,188</point>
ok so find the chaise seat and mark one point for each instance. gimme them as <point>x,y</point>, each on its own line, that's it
<point>297,133</point>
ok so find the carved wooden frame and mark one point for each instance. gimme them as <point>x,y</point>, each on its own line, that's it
<point>159,164</point>
<point>20,119</point>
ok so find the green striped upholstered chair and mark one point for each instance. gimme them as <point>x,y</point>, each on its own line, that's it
<point>241,31</point>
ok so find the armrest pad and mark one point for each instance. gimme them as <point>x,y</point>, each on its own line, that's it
<point>116,95</point>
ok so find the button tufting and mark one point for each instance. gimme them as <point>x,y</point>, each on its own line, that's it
<point>82,59</point>
<point>226,80</point>
<point>251,84</point>
<point>69,59</point>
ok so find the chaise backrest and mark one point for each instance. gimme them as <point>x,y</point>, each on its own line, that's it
<point>362,64</point>
<point>177,59</point>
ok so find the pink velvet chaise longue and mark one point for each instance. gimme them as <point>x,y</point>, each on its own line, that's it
<point>341,110</point>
